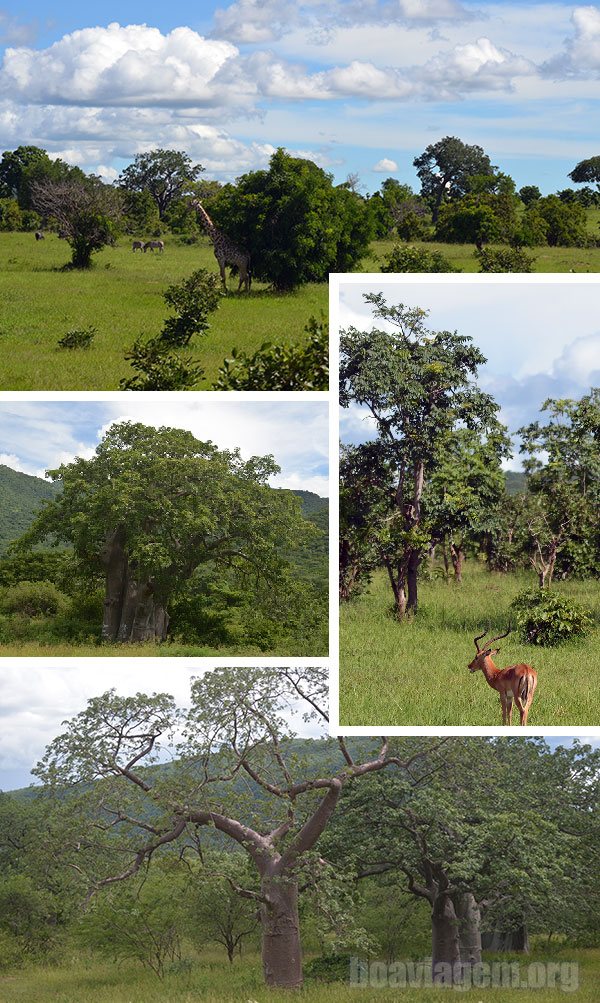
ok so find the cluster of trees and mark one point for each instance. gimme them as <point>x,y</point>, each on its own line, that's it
<point>466,199</point>
<point>172,537</point>
<point>296,224</point>
<point>432,476</point>
<point>341,837</point>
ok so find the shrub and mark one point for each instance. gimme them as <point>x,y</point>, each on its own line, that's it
<point>416,259</point>
<point>159,368</point>
<point>506,259</point>
<point>192,300</point>
<point>329,968</point>
<point>78,338</point>
<point>30,599</point>
<point>547,618</point>
<point>281,367</point>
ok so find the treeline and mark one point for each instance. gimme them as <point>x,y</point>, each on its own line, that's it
<point>279,214</point>
<point>431,482</point>
<point>416,845</point>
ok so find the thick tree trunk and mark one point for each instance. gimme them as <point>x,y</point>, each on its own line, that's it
<point>281,952</point>
<point>131,612</point>
<point>507,940</point>
<point>445,947</point>
<point>469,929</point>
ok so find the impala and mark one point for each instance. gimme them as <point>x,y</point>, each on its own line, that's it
<point>517,682</point>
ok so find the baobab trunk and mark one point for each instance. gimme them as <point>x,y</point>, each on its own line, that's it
<point>445,949</point>
<point>131,609</point>
<point>281,952</point>
<point>469,929</point>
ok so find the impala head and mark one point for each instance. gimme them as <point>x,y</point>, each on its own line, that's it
<point>486,651</point>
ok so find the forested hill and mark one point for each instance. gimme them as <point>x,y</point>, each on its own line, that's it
<point>516,482</point>
<point>21,496</point>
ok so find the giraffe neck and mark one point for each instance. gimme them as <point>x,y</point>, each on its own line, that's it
<point>205,218</point>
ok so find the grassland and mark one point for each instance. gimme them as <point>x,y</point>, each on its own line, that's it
<point>546,259</point>
<point>214,981</point>
<point>122,297</point>
<point>416,673</point>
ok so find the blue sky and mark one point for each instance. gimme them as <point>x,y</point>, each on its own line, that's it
<point>541,339</point>
<point>40,435</point>
<point>356,85</point>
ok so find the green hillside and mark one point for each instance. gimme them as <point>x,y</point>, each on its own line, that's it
<point>21,496</point>
<point>516,482</point>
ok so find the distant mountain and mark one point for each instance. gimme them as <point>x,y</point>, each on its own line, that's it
<point>21,497</point>
<point>312,558</point>
<point>516,482</point>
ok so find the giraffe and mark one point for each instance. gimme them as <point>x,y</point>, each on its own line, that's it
<point>226,252</point>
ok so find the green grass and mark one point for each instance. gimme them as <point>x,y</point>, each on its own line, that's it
<point>547,259</point>
<point>214,981</point>
<point>121,296</point>
<point>416,673</point>
<point>30,649</point>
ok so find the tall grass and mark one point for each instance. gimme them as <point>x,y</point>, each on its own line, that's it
<point>212,980</point>
<point>416,673</point>
<point>122,297</point>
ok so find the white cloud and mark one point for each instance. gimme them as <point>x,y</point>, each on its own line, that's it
<point>581,54</point>
<point>385,166</point>
<point>478,65</point>
<point>118,66</point>
<point>255,20</point>
<point>580,361</point>
<point>15,32</point>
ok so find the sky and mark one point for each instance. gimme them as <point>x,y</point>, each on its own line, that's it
<point>541,339</point>
<point>36,436</point>
<point>31,717</point>
<point>358,86</point>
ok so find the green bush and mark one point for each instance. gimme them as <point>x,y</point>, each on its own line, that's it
<point>505,259</point>
<point>547,618</point>
<point>160,368</point>
<point>78,338</point>
<point>416,259</point>
<point>329,968</point>
<point>29,599</point>
<point>281,367</point>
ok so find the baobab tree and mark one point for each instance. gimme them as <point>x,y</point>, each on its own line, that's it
<point>236,770</point>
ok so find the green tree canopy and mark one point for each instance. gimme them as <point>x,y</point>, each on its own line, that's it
<point>295,224</point>
<point>586,171</point>
<point>166,175</point>
<point>152,505</point>
<point>444,169</point>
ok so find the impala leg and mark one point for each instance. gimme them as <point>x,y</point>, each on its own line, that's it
<point>503,702</point>
<point>523,708</point>
<point>509,709</point>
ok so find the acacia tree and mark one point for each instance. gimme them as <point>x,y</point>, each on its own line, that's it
<point>87,213</point>
<point>237,771</point>
<point>166,175</point>
<point>151,506</point>
<point>444,169</point>
<point>417,385</point>
<point>586,171</point>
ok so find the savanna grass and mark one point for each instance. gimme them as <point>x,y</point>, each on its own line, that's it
<point>416,673</point>
<point>89,980</point>
<point>122,296</point>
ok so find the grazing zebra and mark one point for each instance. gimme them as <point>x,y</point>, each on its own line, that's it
<point>39,235</point>
<point>158,244</point>
<point>138,245</point>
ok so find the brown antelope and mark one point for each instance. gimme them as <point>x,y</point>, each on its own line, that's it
<point>517,682</point>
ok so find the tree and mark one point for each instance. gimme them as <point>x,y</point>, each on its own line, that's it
<point>586,171</point>
<point>235,733</point>
<point>215,909</point>
<point>417,385</point>
<point>459,838</point>
<point>445,167</point>
<point>166,175</point>
<point>563,469</point>
<point>295,224</point>
<point>529,193</point>
<point>564,223</point>
<point>464,488</point>
<point>403,258</point>
<point>154,504</point>
<point>86,212</point>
